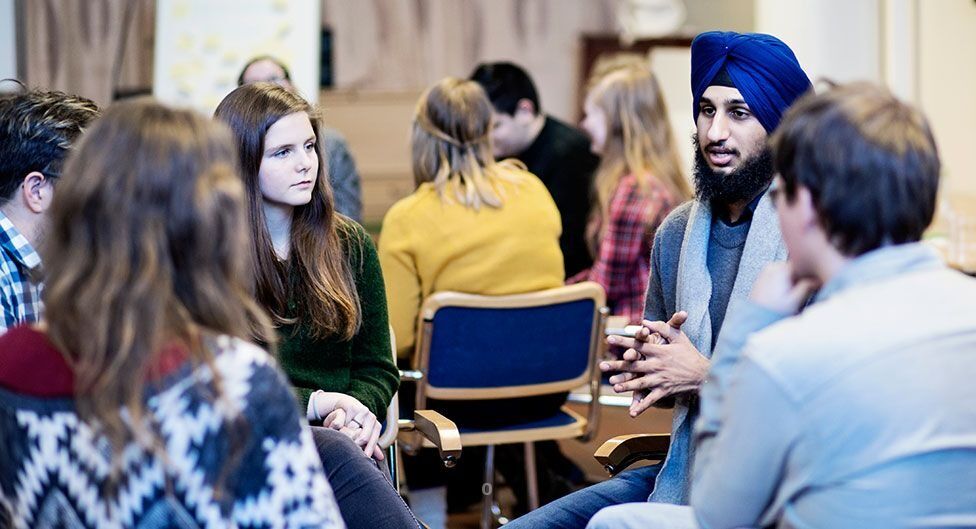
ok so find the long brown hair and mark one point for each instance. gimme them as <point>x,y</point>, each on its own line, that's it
<point>639,140</point>
<point>451,142</point>
<point>329,304</point>
<point>147,248</point>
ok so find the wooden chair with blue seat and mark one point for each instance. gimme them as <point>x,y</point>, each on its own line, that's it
<point>473,347</point>
<point>436,430</point>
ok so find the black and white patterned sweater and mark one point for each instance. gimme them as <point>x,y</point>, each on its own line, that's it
<point>53,465</point>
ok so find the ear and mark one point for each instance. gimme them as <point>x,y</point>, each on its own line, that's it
<point>524,105</point>
<point>37,191</point>
<point>803,202</point>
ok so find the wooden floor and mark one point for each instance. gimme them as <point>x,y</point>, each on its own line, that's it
<point>614,421</point>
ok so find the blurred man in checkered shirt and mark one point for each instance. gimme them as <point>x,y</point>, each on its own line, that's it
<point>37,129</point>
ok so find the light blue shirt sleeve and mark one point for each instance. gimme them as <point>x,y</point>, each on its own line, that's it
<point>737,471</point>
<point>733,478</point>
<point>740,325</point>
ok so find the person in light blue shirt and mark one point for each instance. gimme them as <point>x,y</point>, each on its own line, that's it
<point>858,411</point>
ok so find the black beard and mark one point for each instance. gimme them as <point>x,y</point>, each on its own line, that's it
<point>742,184</point>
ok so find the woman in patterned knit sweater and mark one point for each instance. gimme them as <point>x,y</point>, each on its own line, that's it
<point>638,182</point>
<point>318,275</point>
<point>140,402</point>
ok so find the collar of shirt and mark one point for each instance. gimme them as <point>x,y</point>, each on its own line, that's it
<point>722,213</point>
<point>16,244</point>
<point>882,263</point>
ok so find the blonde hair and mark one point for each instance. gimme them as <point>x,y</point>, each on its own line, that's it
<point>451,141</point>
<point>608,63</point>
<point>639,140</point>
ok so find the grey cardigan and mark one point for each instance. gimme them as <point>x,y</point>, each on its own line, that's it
<point>680,280</point>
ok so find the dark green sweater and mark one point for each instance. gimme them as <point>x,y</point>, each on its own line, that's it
<point>362,367</point>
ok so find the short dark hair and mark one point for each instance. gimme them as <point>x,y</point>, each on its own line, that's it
<point>37,129</point>
<point>506,84</point>
<point>259,58</point>
<point>869,161</point>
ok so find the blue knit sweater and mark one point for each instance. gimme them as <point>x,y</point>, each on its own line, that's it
<point>53,465</point>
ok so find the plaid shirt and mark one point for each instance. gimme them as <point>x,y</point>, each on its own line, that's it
<point>623,262</point>
<point>20,298</point>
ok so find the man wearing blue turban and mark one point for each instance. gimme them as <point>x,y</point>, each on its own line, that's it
<point>706,256</point>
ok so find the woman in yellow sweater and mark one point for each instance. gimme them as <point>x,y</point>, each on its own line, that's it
<point>473,224</point>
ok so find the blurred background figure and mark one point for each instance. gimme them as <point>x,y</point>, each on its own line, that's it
<point>638,182</point>
<point>37,130</point>
<point>473,225</point>
<point>557,153</point>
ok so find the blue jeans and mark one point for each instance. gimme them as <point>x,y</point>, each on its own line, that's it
<point>364,493</point>
<point>575,510</point>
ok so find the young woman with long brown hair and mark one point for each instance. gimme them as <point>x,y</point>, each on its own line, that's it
<point>638,182</point>
<point>318,275</point>
<point>141,398</point>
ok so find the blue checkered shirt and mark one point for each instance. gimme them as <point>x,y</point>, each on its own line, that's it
<point>20,298</point>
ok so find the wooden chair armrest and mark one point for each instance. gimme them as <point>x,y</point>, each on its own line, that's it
<point>439,430</point>
<point>620,452</point>
<point>411,375</point>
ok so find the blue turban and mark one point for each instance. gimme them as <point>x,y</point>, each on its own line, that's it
<point>761,67</point>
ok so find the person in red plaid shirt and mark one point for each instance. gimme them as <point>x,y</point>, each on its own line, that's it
<point>639,181</point>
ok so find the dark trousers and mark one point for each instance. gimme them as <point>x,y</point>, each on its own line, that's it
<point>362,487</point>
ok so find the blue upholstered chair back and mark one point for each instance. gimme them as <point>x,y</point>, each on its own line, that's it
<point>508,343</point>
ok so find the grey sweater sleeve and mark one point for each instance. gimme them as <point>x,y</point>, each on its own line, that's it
<point>654,306</point>
<point>736,472</point>
<point>659,302</point>
<point>346,186</point>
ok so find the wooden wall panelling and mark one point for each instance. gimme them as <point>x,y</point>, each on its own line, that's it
<point>407,45</point>
<point>136,69</point>
<point>377,127</point>
<point>75,45</point>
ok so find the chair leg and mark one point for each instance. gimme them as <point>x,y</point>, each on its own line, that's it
<point>531,477</point>
<point>488,489</point>
<point>394,464</point>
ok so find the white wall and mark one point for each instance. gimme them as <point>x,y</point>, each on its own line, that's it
<point>201,46</point>
<point>8,40</point>
<point>947,84</point>
<point>672,66</point>
<point>923,50</point>
<point>836,39</point>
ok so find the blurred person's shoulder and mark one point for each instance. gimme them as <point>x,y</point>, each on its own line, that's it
<point>416,203</point>
<point>674,225</point>
<point>565,138</point>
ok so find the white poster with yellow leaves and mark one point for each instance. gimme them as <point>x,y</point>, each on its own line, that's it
<point>201,46</point>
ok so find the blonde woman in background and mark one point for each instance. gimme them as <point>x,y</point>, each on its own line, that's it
<point>472,225</point>
<point>639,181</point>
